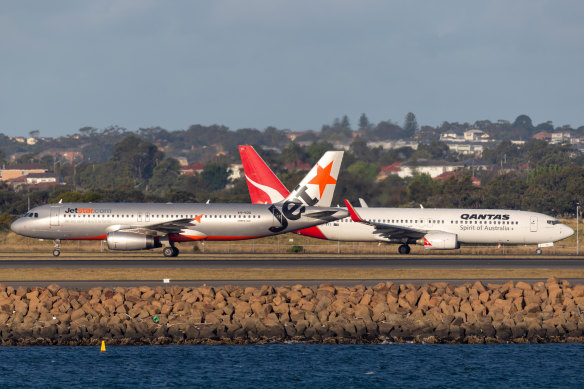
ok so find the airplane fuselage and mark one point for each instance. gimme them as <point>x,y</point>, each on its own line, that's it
<point>207,221</point>
<point>470,225</point>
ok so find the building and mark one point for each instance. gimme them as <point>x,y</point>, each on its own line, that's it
<point>448,175</point>
<point>192,169</point>
<point>20,170</point>
<point>561,137</point>
<point>432,168</point>
<point>543,135</point>
<point>38,178</point>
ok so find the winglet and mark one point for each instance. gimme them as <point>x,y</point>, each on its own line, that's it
<point>354,215</point>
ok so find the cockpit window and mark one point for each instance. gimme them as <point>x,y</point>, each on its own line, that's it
<point>36,214</point>
<point>553,222</point>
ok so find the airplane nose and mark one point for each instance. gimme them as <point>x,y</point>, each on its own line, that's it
<point>566,231</point>
<point>17,226</point>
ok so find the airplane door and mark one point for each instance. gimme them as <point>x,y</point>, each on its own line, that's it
<point>533,224</point>
<point>147,217</point>
<point>55,211</point>
<point>140,216</point>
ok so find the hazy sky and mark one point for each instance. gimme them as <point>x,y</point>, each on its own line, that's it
<point>291,64</point>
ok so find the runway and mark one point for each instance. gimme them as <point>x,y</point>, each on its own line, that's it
<point>305,261</point>
<point>110,270</point>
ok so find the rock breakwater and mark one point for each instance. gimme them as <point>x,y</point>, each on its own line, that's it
<point>434,313</point>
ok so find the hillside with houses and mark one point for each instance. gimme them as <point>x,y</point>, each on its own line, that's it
<point>484,164</point>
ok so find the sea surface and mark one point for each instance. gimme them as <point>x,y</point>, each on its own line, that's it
<point>296,365</point>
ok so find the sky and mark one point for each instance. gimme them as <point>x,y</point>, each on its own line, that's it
<point>290,64</point>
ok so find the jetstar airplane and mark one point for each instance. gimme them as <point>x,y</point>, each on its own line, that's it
<point>436,229</point>
<point>140,226</point>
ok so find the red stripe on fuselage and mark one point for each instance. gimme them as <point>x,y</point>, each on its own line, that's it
<point>313,232</point>
<point>101,237</point>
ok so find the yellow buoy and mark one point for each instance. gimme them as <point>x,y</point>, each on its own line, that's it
<point>102,345</point>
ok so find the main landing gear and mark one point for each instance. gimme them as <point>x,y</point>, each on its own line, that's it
<point>404,249</point>
<point>57,249</point>
<point>170,251</point>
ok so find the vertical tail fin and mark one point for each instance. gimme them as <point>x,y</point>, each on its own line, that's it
<point>318,187</point>
<point>264,187</point>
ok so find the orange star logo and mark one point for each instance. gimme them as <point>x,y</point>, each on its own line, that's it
<point>323,177</point>
<point>198,218</point>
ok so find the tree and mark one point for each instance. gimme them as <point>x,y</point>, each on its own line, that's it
<point>137,155</point>
<point>364,123</point>
<point>34,133</point>
<point>421,188</point>
<point>215,176</point>
<point>345,122</point>
<point>410,125</point>
<point>293,153</point>
<point>367,171</point>
<point>164,175</point>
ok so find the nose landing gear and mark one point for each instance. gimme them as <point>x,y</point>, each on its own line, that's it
<point>57,249</point>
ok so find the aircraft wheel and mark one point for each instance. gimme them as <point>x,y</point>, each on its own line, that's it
<point>404,249</point>
<point>538,251</point>
<point>175,252</point>
<point>56,253</point>
<point>168,251</point>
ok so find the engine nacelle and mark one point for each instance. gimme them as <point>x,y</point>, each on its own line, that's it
<point>131,241</point>
<point>441,241</point>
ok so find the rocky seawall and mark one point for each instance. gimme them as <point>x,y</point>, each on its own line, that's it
<point>388,312</point>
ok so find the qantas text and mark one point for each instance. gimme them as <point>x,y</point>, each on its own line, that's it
<point>483,216</point>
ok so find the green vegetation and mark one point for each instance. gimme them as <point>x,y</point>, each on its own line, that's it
<point>117,165</point>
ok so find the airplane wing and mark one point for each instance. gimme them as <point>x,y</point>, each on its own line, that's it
<point>387,231</point>
<point>162,229</point>
<point>325,215</point>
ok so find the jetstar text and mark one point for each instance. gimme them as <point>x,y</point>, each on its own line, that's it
<point>88,210</point>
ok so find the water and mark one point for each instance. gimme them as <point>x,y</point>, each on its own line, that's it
<point>295,365</point>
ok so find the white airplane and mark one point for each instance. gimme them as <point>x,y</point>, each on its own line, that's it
<point>141,226</point>
<point>436,229</point>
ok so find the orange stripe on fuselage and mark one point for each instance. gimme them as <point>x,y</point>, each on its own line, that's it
<point>190,238</point>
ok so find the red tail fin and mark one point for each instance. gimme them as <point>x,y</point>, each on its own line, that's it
<point>264,187</point>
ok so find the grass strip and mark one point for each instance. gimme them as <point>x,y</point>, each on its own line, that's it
<point>106,274</point>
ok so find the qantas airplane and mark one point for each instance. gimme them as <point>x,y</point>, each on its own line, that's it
<point>142,226</point>
<point>436,229</point>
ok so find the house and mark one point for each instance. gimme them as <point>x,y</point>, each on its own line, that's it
<point>543,135</point>
<point>192,169</point>
<point>20,170</point>
<point>386,171</point>
<point>448,175</point>
<point>390,145</point>
<point>38,178</point>
<point>561,137</point>
<point>34,181</point>
<point>476,136</point>
<point>432,168</point>
<point>451,136</point>
<point>475,149</point>
<point>234,171</point>
<point>297,166</point>
<point>182,161</point>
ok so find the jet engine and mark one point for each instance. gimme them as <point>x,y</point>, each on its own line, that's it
<point>441,241</point>
<point>131,241</point>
